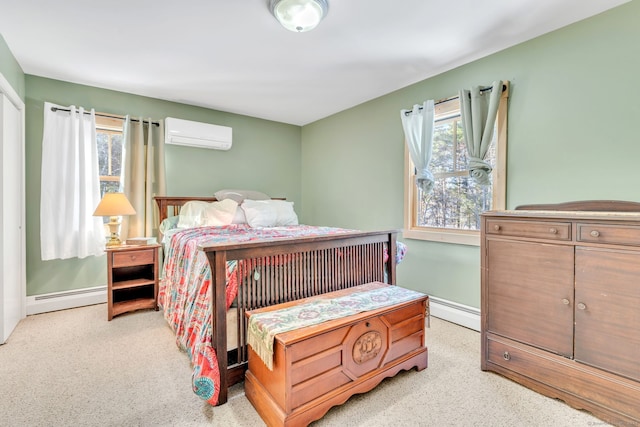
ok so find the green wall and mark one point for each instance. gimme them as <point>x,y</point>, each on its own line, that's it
<point>10,69</point>
<point>572,104</point>
<point>572,101</point>
<point>265,156</point>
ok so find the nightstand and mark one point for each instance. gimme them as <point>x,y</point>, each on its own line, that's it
<point>132,278</point>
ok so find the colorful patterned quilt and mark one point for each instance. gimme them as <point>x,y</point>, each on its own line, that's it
<point>184,293</point>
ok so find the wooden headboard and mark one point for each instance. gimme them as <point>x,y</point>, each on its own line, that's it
<point>170,205</point>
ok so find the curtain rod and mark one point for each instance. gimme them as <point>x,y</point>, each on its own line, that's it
<point>442,101</point>
<point>111,116</point>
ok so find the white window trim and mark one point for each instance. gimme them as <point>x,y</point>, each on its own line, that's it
<point>499,177</point>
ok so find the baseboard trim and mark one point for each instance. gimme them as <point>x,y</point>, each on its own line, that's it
<point>453,312</point>
<point>55,301</point>
<point>450,311</point>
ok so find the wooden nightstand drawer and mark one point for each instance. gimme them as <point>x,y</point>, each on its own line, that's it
<point>611,234</point>
<point>138,257</point>
<point>531,229</point>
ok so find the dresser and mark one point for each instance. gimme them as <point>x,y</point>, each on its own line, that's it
<point>561,303</point>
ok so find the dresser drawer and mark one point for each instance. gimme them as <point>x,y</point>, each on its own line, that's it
<point>611,234</point>
<point>611,391</point>
<point>138,257</point>
<point>531,229</point>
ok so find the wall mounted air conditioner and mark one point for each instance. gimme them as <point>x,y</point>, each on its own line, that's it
<point>195,134</point>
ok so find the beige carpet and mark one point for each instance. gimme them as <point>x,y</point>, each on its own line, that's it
<point>73,368</point>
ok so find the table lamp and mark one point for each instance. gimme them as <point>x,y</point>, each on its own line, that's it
<point>114,205</point>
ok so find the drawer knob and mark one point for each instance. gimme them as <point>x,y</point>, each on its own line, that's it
<point>496,227</point>
<point>582,306</point>
<point>565,301</point>
<point>553,230</point>
<point>506,355</point>
<point>595,233</point>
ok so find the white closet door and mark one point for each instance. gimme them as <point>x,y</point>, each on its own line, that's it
<point>12,250</point>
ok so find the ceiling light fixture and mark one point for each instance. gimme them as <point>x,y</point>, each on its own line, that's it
<point>299,15</point>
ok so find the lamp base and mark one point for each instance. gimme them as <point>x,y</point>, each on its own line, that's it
<point>114,239</point>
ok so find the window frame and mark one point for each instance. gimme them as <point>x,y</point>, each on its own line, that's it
<point>499,180</point>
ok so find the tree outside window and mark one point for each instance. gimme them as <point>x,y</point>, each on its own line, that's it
<point>109,139</point>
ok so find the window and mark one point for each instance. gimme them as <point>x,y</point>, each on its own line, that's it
<point>109,139</point>
<point>451,212</point>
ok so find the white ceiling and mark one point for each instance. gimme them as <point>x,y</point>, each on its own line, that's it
<point>234,56</point>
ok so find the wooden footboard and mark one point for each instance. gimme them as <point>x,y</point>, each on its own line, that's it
<point>282,270</point>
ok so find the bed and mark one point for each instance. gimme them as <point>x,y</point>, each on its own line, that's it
<point>213,275</point>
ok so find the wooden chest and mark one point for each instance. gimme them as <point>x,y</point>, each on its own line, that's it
<point>320,366</point>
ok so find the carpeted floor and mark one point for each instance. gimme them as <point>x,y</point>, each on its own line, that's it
<point>73,368</point>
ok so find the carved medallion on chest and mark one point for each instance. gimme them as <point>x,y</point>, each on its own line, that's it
<point>367,347</point>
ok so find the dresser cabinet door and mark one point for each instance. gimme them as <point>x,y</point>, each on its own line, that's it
<point>530,293</point>
<point>608,310</point>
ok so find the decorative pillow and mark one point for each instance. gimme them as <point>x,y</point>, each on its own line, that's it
<point>201,214</point>
<point>240,195</point>
<point>269,213</point>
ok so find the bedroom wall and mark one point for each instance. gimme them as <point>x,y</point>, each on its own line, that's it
<point>570,134</point>
<point>10,68</point>
<point>265,156</point>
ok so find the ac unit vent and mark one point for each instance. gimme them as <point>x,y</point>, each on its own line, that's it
<point>196,134</point>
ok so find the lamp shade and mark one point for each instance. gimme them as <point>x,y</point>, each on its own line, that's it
<point>299,15</point>
<point>114,204</point>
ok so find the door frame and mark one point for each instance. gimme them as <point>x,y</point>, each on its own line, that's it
<point>7,90</point>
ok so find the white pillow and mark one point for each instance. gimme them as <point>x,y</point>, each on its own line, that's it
<point>220,213</point>
<point>259,213</point>
<point>201,214</point>
<point>269,213</point>
<point>191,214</point>
<point>240,195</point>
<point>239,217</point>
<point>285,213</point>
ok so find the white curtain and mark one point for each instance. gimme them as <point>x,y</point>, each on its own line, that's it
<point>418,131</point>
<point>144,175</point>
<point>70,186</point>
<point>478,110</point>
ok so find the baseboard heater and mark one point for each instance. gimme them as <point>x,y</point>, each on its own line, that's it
<point>453,312</point>
<point>63,300</point>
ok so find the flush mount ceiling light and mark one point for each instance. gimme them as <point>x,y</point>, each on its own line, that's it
<point>299,15</point>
